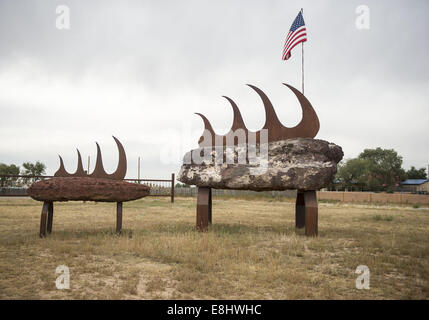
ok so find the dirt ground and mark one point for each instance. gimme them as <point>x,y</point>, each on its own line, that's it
<point>252,251</point>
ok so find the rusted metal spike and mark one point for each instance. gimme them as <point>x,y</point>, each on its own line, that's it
<point>121,170</point>
<point>207,128</point>
<point>231,138</point>
<point>61,172</point>
<point>309,125</point>
<point>237,122</point>
<point>207,125</point>
<point>99,169</point>
<point>271,119</point>
<point>79,170</point>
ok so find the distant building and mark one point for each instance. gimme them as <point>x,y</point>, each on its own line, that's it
<point>415,185</point>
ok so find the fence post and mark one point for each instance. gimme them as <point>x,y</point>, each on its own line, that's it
<point>172,187</point>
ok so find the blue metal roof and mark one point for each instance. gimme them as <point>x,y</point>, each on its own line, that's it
<point>414,181</point>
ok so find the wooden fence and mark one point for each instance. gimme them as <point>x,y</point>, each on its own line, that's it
<point>358,197</point>
<point>17,186</point>
<point>371,197</point>
<point>192,192</point>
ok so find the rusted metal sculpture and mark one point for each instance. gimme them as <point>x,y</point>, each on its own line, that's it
<point>307,128</point>
<point>98,186</point>
<point>296,140</point>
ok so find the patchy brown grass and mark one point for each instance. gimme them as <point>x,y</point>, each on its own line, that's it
<point>252,251</point>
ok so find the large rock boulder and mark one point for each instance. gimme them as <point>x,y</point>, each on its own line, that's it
<point>299,163</point>
<point>86,189</point>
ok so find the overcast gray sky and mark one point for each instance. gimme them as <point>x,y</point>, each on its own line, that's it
<point>140,69</point>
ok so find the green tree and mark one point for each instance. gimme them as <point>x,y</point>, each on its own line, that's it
<point>354,173</point>
<point>414,173</point>
<point>34,169</point>
<point>385,168</point>
<point>6,170</point>
<point>181,185</point>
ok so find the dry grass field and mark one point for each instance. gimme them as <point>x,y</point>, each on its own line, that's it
<point>252,251</point>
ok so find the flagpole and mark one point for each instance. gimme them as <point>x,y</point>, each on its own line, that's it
<point>302,57</point>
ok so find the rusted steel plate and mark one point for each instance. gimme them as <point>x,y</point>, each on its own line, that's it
<point>307,128</point>
<point>98,172</point>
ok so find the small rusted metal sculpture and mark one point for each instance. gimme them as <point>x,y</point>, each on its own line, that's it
<point>297,161</point>
<point>98,186</point>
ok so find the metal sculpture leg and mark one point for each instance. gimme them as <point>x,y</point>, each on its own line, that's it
<point>306,212</point>
<point>300,210</point>
<point>210,206</point>
<point>311,213</point>
<point>118,217</point>
<point>43,219</point>
<point>50,216</point>
<point>204,208</point>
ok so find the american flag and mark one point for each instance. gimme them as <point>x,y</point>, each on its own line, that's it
<point>297,34</point>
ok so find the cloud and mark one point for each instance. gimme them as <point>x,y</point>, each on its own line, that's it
<point>139,69</point>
